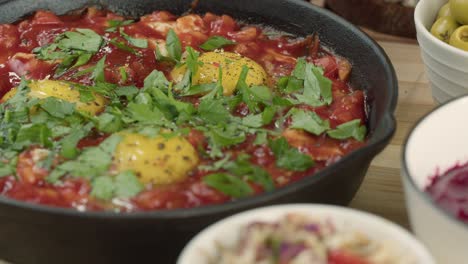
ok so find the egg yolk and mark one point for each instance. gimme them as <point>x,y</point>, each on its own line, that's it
<point>231,65</point>
<point>61,90</point>
<point>156,160</point>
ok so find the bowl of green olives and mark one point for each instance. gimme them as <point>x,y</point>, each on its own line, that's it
<point>442,32</point>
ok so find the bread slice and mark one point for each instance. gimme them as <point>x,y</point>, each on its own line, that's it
<point>380,15</point>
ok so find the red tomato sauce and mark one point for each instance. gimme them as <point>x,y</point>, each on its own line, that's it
<point>276,54</point>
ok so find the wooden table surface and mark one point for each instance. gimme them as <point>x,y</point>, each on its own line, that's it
<point>382,193</point>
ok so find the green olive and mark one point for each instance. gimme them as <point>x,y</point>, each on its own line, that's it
<point>444,11</point>
<point>459,38</point>
<point>443,28</point>
<point>459,9</point>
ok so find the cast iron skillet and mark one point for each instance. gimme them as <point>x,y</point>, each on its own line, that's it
<point>38,234</point>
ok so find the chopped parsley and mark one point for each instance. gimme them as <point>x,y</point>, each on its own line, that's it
<point>136,42</point>
<point>351,129</point>
<point>307,85</point>
<point>173,46</point>
<point>216,42</point>
<point>71,48</point>
<point>308,121</point>
<point>124,185</point>
<point>288,157</point>
<point>228,184</point>
<point>91,163</point>
<point>114,24</point>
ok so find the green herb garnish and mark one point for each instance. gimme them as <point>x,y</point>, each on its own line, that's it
<point>216,42</point>
<point>351,129</point>
<point>288,157</point>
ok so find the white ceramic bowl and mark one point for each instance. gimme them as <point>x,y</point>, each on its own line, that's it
<point>202,246</point>
<point>437,143</point>
<point>446,66</point>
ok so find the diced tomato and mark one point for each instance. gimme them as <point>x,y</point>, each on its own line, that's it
<point>190,23</point>
<point>28,169</point>
<point>222,25</point>
<point>9,40</point>
<point>328,63</point>
<point>341,257</point>
<point>9,37</point>
<point>348,108</point>
<point>70,193</point>
<point>344,69</point>
<point>91,141</point>
<point>197,139</point>
<point>158,16</point>
<point>246,34</point>
<point>24,64</point>
<point>43,17</point>
<point>7,80</point>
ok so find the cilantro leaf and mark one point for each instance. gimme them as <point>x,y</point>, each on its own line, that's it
<point>103,188</point>
<point>71,48</point>
<point>309,121</point>
<point>56,107</point>
<point>70,141</point>
<point>82,39</point>
<point>268,114</point>
<point>6,169</point>
<point>254,121</point>
<point>123,74</point>
<point>33,134</point>
<point>281,102</point>
<point>192,60</point>
<point>316,87</point>
<point>127,91</point>
<point>261,94</point>
<point>288,157</point>
<point>254,96</point>
<point>122,46</point>
<point>199,89</point>
<point>185,83</point>
<point>351,129</point>
<point>226,138</point>
<point>299,71</point>
<point>127,185</point>
<point>109,123</point>
<point>228,184</point>
<point>216,42</point>
<point>139,112</point>
<point>242,167</point>
<point>137,42</point>
<point>290,84</point>
<point>98,72</point>
<point>86,95</point>
<point>155,79</point>
<point>91,163</point>
<point>114,24</point>
<point>262,177</point>
<point>124,185</point>
<point>261,138</point>
<point>82,59</point>
<point>173,46</point>
<point>213,111</point>
<point>218,88</point>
